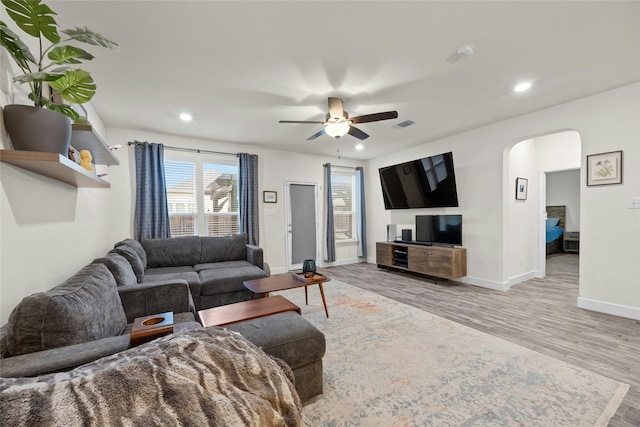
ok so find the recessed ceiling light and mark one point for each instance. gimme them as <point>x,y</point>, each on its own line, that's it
<point>359,147</point>
<point>523,87</point>
<point>185,117</point>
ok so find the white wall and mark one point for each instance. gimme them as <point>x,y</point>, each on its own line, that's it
<point>275,167</point>
<point>563,188</point>
<point>48,229</point>
<point>610,232</point>
<point>521,226</point>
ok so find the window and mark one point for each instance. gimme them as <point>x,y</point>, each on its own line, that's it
<point>202,194</point>
<point>343,188</point>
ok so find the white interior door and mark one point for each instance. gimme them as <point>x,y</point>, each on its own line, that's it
<point>302,225</point>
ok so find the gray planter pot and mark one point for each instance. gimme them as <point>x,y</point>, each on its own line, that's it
<point>37,129</point>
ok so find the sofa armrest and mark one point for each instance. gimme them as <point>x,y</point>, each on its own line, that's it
<point>158,297</point>
<point>255,256</point>
<point>69,357</point>
<point>62,358</point>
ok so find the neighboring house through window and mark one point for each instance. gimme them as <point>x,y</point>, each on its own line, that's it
<point>343,189</point>
<point>202,193</point>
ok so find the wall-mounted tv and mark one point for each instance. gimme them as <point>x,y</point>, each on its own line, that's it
<point>429,182</point>
<point>439,229</point>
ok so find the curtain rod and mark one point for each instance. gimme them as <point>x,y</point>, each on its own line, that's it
<point>340,166</point>
<point>194,150</point>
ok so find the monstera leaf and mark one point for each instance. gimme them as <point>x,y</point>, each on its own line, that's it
<point>69,55</point>
<point>85,35</point>
<point>34,18</point>
<point>18,50</point>
<point>75,86</point>
<point>72,85</point>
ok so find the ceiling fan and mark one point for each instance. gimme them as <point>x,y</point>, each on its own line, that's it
<point>338,122</point>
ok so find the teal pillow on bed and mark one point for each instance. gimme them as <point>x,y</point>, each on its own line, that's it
<point>552,222</point>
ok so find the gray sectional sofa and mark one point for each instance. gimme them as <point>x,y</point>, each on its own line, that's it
<point>90,315</point>
<point>214,267</point>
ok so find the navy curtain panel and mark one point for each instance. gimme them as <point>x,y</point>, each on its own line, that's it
<point>330,235</point>
<point>151,218</point>
<point>361,223</point>
<point>248,183</point>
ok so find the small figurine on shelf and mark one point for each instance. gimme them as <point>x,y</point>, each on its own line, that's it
<point>70,155</point>
<point>85,160</point>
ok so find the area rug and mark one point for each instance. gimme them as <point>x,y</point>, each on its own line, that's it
<point>389,364</point>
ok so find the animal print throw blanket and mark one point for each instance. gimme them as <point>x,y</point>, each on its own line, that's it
<point>199,377</point>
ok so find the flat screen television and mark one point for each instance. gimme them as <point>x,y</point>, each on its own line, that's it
<point>429,182</point>
<point>439,229</point>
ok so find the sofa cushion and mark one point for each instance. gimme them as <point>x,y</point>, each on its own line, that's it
<point>86,307</point>
<point>222,264</point>
<point>132,256</point>
<point>172,270</point>
<point>119,268</point>
<point>222,280</point>
<point>227,248</point>
<point>172,251</point>
<point>136,247</point>
<point>191,277</point>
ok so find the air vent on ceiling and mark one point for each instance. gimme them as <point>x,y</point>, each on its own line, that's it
<point>404,124</point>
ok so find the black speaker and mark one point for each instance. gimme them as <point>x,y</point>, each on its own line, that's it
<point>406,235</point>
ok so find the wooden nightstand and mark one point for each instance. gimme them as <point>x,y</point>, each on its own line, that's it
<point>571,241</point>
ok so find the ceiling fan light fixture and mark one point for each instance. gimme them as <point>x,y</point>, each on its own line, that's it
<point>336,130</point>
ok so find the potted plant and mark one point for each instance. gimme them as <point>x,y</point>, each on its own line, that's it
<point>50,75</point>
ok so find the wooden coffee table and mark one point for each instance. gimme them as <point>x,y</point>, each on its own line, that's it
<point>246,310</point>
<point>285,281</point>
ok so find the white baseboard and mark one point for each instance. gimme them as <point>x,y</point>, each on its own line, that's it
<point>609,308</point>
<point>522,278</point>
<point>342,262</point>
<point>280,270</point>
<point>483,283</point>
<point>473,281</point>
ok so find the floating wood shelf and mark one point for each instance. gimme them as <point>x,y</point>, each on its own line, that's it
<point>83,137</point>
<point>53,165</point>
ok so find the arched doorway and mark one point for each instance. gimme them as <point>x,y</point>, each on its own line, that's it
<point>525,218</point>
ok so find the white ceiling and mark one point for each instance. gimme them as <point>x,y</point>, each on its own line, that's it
<point>239,67</point>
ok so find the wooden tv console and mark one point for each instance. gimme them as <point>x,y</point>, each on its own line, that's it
<point>435,261</point>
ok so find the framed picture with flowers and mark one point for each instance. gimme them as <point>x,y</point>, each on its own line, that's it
<point>604,168</point>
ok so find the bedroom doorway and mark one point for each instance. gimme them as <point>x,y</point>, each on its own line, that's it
<point>559,162</point>
<point>561,213</point>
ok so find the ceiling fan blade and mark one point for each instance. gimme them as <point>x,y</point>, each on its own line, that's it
<point>353,131</point>
<point>375,117</point>
<point>335,107</point>
<point>317,134</point>
<point>297,121</point>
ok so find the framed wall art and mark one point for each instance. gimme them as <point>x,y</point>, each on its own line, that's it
<point>604,168</point>
<point>270,196</point>
<point>522,185</point>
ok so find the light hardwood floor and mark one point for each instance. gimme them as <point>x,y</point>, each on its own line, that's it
<point>540,314</point>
